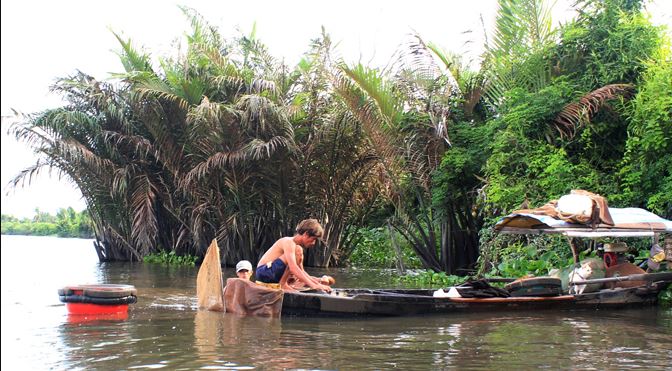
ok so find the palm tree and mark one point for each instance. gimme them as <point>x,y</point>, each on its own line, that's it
<point>335,167</point>
<point>77,141</point>
<point>515,55</point>
<point>213,143</point>
<point>406,118</point>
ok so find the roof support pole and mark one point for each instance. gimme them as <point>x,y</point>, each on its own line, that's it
<point>572,244</point>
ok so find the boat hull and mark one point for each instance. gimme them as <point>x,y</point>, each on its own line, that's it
<point>363,302</point>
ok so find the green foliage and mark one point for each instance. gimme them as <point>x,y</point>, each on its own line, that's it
<point>374,250</point>
<point>529,113</point>
<point>533,160</point>
<point>458,174</point>
<point>608,43</point>
<point>219,141</point>
<point>43,217</point>
<point>665,296</point>
<point>9,218</point>
<point>14,227</point>
<point>525,162</point>
<point>44,229</point>
<point>505,255</point>
<point>427,278</point>
<point>516,55</point>
<point>543,173</point>
<point>30,228</point>
<point>170,258</point>
<point>66,223</point>
<point>518,260</point>
<point>646,172</point>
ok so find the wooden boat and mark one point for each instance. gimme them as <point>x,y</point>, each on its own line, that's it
<point>392,302</point>
<point>642,290</point>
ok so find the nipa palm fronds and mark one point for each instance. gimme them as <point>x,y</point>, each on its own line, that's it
<point>577,114</point>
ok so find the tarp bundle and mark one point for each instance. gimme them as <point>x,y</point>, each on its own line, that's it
<point>625,222</point>
<point>595,213</point>
<point>481,289</point>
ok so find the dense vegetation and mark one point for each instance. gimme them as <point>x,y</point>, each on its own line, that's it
<point>66,223</point>
<point>405,166</point>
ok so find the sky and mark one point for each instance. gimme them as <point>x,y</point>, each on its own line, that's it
<point>44,40</point>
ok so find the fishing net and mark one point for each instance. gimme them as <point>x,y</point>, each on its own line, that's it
<point>248,298</point>
<point>209,280</point>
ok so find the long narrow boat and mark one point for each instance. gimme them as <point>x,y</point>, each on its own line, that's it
<point>246,297</point>
<point>630,222</point>
<point>390,302</point>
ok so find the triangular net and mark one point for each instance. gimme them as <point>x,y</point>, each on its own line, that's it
<point>209,280</point>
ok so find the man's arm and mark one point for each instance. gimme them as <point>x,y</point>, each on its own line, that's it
<point>290,254</point>
<point>299,262</point>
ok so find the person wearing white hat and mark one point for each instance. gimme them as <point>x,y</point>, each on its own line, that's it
<point>244,270</point>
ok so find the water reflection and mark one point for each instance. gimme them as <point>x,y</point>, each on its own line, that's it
<point>93,341</point>
<point>251,340</point>
<point>213,340</point>
<point>260,342</point>
<point>218,340</point>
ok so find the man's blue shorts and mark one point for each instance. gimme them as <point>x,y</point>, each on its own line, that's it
<point>272,274</point>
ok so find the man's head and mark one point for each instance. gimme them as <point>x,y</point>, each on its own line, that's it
<point>244,269</point>
<point>311,231</point>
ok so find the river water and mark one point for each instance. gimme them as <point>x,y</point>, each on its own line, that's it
<point>165,330</point>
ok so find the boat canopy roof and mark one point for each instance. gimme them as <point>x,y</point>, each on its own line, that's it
<point>628,222</point>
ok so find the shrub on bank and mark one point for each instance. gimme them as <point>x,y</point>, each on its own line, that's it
<point>375,250</point>
<point>170,258</point>
<point>66,223</point>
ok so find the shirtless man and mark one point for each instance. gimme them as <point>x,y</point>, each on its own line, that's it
<point>273,265</point>
<point>298,285</point>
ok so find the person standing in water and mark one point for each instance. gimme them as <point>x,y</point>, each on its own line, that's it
<point>244,270</point>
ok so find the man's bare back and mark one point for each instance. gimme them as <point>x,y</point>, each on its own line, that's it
<point>276,251</point>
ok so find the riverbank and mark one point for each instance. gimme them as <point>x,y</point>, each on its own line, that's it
<point>66,223</point>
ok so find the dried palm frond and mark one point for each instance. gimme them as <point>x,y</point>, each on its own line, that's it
<point>577,114</point>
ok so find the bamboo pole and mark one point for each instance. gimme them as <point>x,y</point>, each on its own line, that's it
<point>662,276</point>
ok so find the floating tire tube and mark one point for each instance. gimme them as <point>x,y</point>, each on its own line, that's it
<point>103,291</point>
<point>131,299</point>
<point>536,286</point>
<point>100,299</point>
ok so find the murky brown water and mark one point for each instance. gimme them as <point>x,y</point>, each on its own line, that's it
<point>164,330</point>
